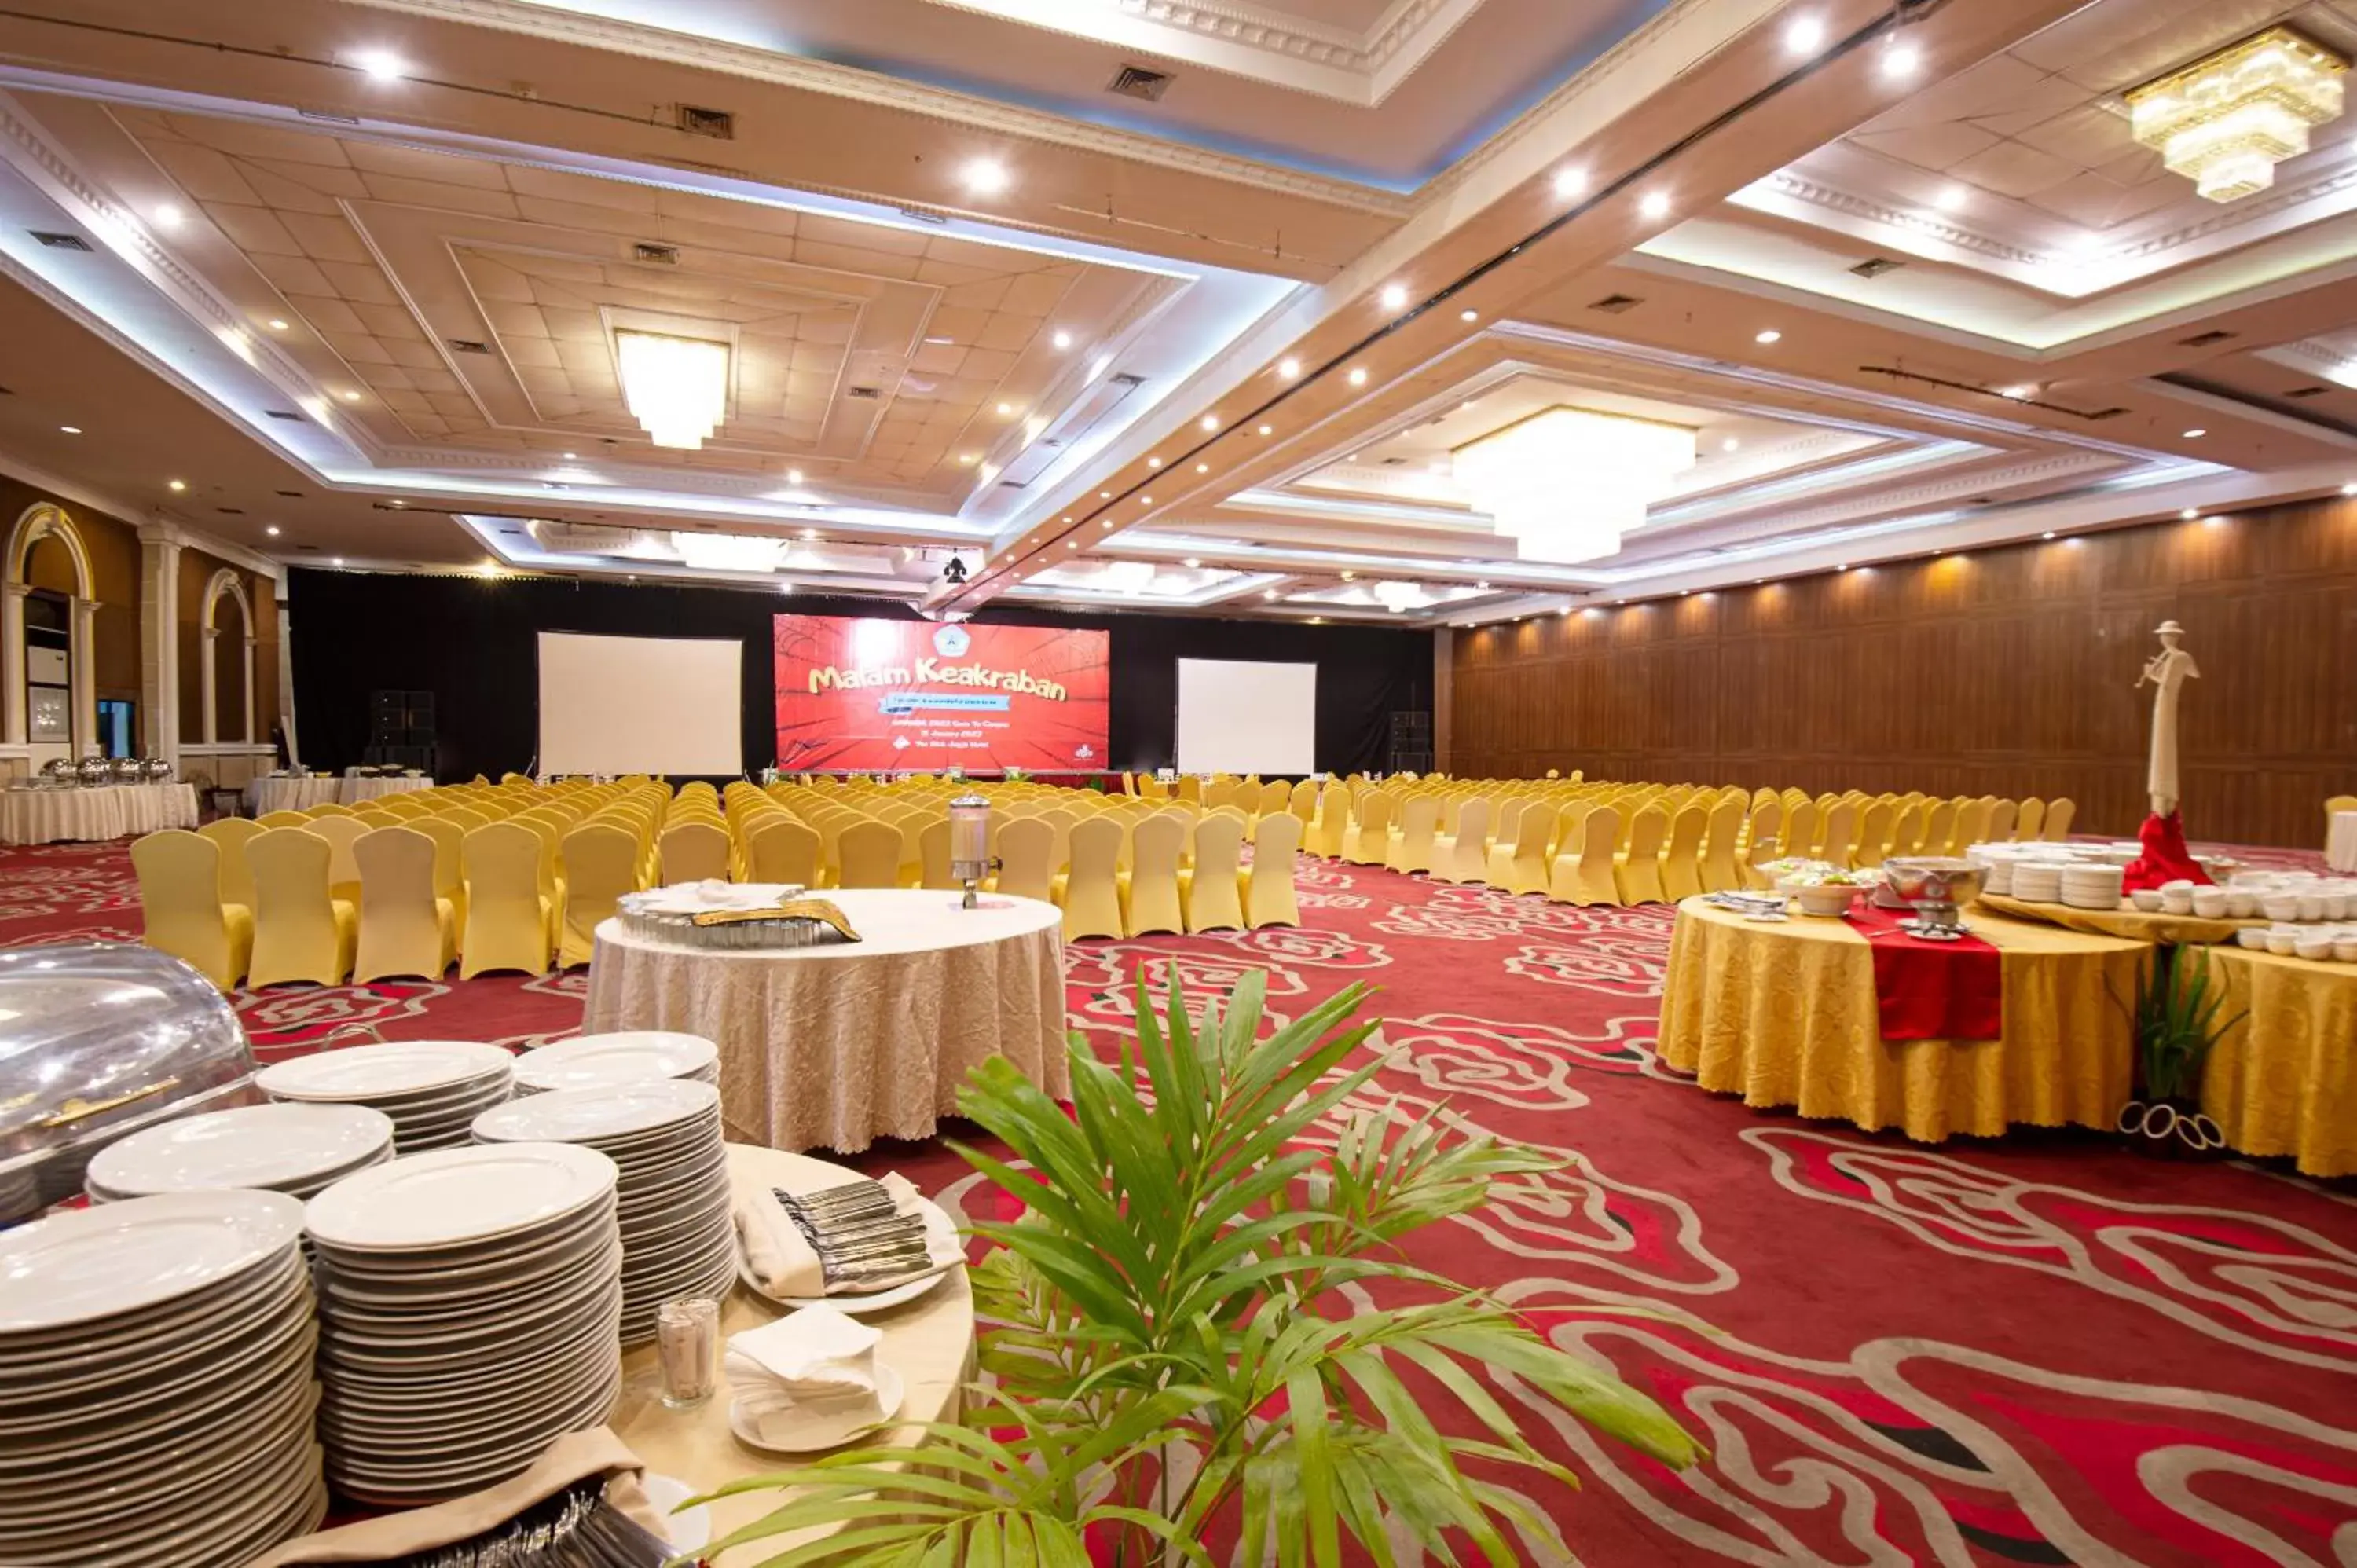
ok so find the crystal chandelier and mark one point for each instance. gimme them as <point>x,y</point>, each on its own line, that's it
<point>1565,484</point>
<point>2225,122</point>
<point>677,388</point>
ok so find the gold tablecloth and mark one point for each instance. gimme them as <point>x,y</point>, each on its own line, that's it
<point>1784,1014</point>
<point>2283,1081</point>
<point>929,1341</point>
<point>2136,924</point>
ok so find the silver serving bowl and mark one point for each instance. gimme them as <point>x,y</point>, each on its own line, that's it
<point>129,770</point>
<point>95,770</point>
<point>1930,881</point>
<point>158,770</point>
<point>59,768</point>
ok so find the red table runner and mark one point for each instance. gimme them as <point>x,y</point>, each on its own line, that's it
<point>1932,990</point>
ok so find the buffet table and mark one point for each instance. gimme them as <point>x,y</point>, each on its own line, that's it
<point>94,812</point>
<point>355,790</point>
<point>2284,1081</point>
<point>1785,1014</point>
<point>299,794</point>
<point>930,1342</point>
<point>839,1044</point>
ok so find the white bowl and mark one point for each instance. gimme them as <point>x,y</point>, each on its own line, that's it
<point>2210,903</point>
<point>1833,900</point>
<point>2336,906</point>
<point>2311,907</point>
<point>2241,903</point>
<point>2176,900</point>
<point>2280,942</point>
<point>2148,900</point>
<point>2345,948</point>
<point>2313,947</point>
<point>2280,905</point>
<point>2253,937</point>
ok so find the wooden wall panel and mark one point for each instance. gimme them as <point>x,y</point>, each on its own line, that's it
<point>2008,672</point>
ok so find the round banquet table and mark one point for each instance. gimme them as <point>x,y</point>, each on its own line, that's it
<point>839,1044</point>
<point>929,1341</point>
<point>100,811</point>
<point>1784,1014</point>
<point>355,790</point>
<point>2284,1081</point>
<point>298,793</point>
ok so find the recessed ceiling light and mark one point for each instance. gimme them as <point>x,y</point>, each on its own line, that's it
<point>1483,584</point>
<point>569,457</point>
<point>166,213</point>
<point>1203,467</point>
<point>2349,490</point>
<point>2021,393</point>
<point>1288,368</point>
<point>1268,592</point>
<point>1071,544</point>
<point>1193,562</point>
<point>984,177</point>
<point>1359,376</point>
<point>1316,621</point>
<point>277,324</point>
<point>2214,520</point>
<point>1154,462</point>
<point>2048,534</point>
<point>1804,34</point>
<point>272,529</point>
<point>335,560</point>
<point>1951,198</point>
<point>1655,205</point>
<point>179,484</point>
<point>794,476</point>
<point>1901,61</point>
<point>352,397</point>
<point>2196,433</point>
<point>1394,296</point>
<point>1061,339</point>
<point>2189,513</point>
<point>1146,500</point>
<point>1770,335</point>
<point>1569,182</point>
<point>1005,410</point>
<point>1268,430</point>
<point>1106,522</point>
<point>397,501</point>
<point>810,534</point>
<point>967,457</point>
<point>380,65</point>
<point>1350,576</point>
<point>1210,422</point>
<point>1469,316</point>
<point>1730,445</point>
<point>1104,495</point>
<point>70,429</point>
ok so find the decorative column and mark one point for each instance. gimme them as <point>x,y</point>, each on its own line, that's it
<point>205,661</point>
<point>251,730</point>
<point>81,650</point>
<point>287,685</point>
<point>159,640</point>
<point>14,720</point>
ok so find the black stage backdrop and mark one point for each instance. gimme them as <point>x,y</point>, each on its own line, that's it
<point>473,643</point>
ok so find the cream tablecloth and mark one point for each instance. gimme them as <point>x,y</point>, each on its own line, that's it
<point>929,1341</point>
<point>2283,1081</point>
<point>298,794</point>
<point>103,812</point>
<point>839,1045</point>
<point>1785,1015</point>
<point>355,790</point>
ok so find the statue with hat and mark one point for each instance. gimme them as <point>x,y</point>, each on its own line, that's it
<point>2165,856</point>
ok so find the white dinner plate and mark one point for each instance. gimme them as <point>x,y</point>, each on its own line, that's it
<point>825,1429</point>
<point>377,1073</point>
<point>937,1224</point>
<point>89,1264</point>
<point>594,1061</point>
<point>687,1529</point>
<point>449,1197</point>
<point>251,1145</point>
<point>583,1115</point>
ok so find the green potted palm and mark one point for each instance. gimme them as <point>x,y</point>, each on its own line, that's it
<point>2175,1019</point>
<point>1171,1344</point>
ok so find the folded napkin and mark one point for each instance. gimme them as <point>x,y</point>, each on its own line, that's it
<point>816,1361</point>
<point>784,1264</point>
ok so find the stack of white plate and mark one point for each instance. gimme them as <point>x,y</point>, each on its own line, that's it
<point>601,1061</point>
<point>155,1393</point>
<point>468,1302</point>
<point>2092,887</point>
<point>432,1089</point>
<point>291,1148</point>
<point>665,1134</point>
<point>2040,881</point>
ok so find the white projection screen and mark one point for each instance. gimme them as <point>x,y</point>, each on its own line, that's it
<point>1238,716</point>
<point>641,705</point>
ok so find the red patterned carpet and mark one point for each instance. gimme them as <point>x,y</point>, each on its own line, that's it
<point>2038,1351</point>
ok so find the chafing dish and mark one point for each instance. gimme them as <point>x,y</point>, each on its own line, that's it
<point>60,770</point>
<point>95,770</point>
<point>1933,887</point>
<point>158,770</point>
<point>97,1040</point>
<point>128,770</point>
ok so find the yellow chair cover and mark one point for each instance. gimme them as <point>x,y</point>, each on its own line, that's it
<point>1464,856</point>
<point>2002,814</point>
<point>1720,872</point>
<point>1024,845</point>
<point>1639,871</point>
<point>783,849</point>
<point>2057,826</point>
<point>2032,817</point>
<point>1594,879</point>
<point>405,929</point>
<point>1411,847</point>
<point>1368,838</point>
<point>1210,893</point>
<point>1526,864</point>
<point>601,863</point>
<point>1267,882</point>
<point>508,916</point>
<point>1682,856</point>
<point>233,835</point>
<point>933,855</point>
<point>300,931</point>
<point>1329,829</point>
<point>1840,833</point>
<point>181,909</point>
<point>1762,842</point>
<point>695,851</point>
<point>1148,891</point>
<point>870,855</point>
<point>281,819</point>
<point>1089,892</point>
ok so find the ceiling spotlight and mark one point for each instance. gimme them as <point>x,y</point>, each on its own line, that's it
<point>166,214</point>
<point>1316,621</point>
<point>1350,576</point>
<point>1193,563</point>
<point>179,484</point>
<point>1104,523</point>
<point>1268,430</point>
<point>1268,592</point>
<point>794,476</point>
<point>1770,336</point>
<point>1104,495</point>
<point>277,325</point>
<point>272,529</point>
<point>1154,462</point>
<point>1146,500</point>
<point>335,560</point>
<point>2196,433</point>
<point>76,430</point>
<point>1730,445</point>
<point>1071,544</point>
<point>810,534</point>
<point>380,65</point>
<point>569,457</point>
<point>1803,35</point>
<point>2021,393</point>
<point>1951,198</point>
<point>1483,583</point>
<point>1203,467</point>
<point>1394,296</point>
<point>1569,183</point>
<point>1359,376</point>
<point>1288,368</point>
<point>1210,422</point>
<point>2048,534</point>
<point>1005,410</point>
<point>968,459</point>
<point>2350,490</point>
<point>984,177</point>
<point>1469,316</point>
<point>2189,513</point>
<point>1901,61</point>
<point>1061,339</point>
<point>1655,205</point>
<point>352,397</point>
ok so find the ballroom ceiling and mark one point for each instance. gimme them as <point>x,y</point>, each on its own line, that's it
<point>355,274</point>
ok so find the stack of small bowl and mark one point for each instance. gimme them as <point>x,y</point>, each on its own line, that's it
<point>432,1089</point>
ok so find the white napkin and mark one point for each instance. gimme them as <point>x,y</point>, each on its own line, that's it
<point>780,1257</point>
<point>813,1362</point>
